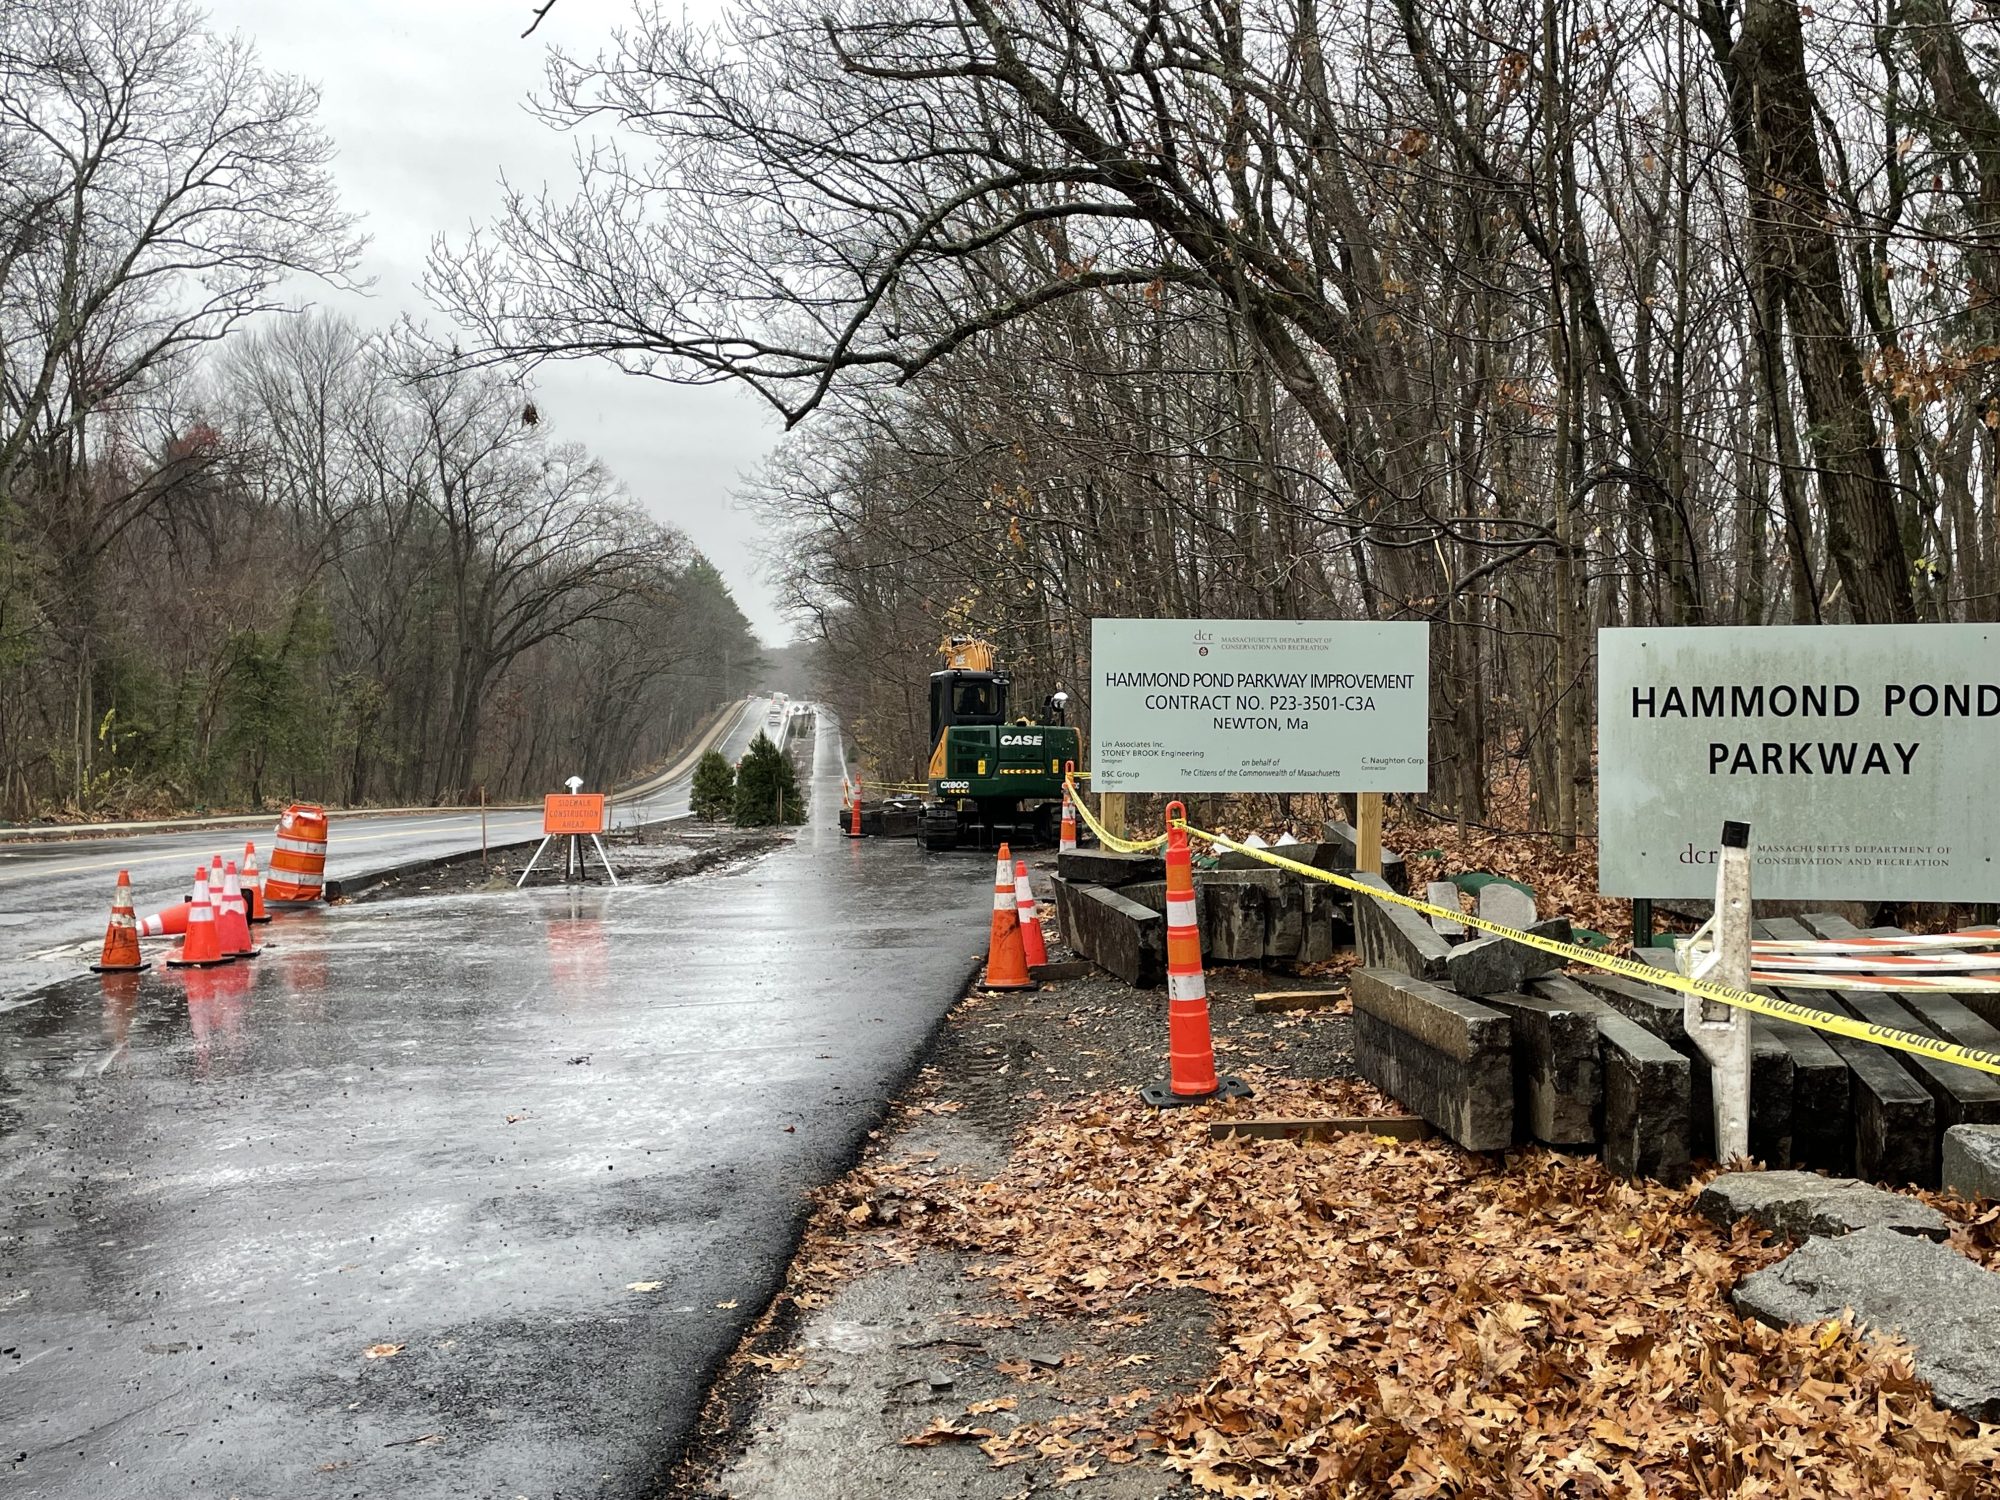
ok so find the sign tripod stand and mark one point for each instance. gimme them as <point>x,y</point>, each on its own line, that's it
<point>573,818</point>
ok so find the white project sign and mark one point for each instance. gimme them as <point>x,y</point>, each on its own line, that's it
<point>1259,706</point>
<point>1861,756</point>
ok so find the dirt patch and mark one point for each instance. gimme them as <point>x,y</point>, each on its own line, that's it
<point>652,856</point>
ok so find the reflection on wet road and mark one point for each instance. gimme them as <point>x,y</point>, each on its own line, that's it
<point>542,1151</point>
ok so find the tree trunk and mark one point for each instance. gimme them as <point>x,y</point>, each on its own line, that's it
<point>1772,106</point>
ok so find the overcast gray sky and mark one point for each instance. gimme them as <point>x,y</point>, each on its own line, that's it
<point>423,98</point>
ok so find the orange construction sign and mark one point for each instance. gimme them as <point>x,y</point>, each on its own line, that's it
<point>583,813</point>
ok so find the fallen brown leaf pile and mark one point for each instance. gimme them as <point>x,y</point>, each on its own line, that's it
<point>1407,1319</point>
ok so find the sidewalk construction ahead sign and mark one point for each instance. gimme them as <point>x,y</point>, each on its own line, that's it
<point>1259,706</point>
<point>1863,757</point>
<point>577,814</point>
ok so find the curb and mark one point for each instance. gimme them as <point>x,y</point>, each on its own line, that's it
<point>58,833</point>
<point>717,731</point>
<point>354,885</point>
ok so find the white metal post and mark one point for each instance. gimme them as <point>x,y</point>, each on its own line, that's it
<point>531,861</point>
<point>1721,951</point>
<point>605,859</point>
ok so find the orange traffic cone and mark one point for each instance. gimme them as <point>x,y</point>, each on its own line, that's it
<point>854,810</point>
<point>1034,947</point>
<point>1190,1048</point>
<point>1006,961</point>
<point>1069,811</point>
<point>170,921</point>
<point>121,936</point>
<point>232,922</point>
<point>253,885</point>
<point>202,947</point>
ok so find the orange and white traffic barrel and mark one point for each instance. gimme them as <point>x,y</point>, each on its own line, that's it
<point>1191,1077</point>
<point>298,863</point>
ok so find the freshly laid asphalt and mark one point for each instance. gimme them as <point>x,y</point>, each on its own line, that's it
<point>544,1152</point>
<point>56,895</point>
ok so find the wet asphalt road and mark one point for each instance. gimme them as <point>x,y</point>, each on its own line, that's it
<point>462,1125</point>
<point>55,896</point>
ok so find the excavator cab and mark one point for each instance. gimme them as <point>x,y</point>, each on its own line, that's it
<point>961,697</point>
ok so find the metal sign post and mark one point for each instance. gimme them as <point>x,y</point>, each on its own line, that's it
<point>1720,950</point>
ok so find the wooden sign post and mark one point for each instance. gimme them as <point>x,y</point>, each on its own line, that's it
<point>1111,806</point>
<point>1368,834</point>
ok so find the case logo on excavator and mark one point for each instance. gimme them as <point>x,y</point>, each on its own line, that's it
<point>1020,739</point>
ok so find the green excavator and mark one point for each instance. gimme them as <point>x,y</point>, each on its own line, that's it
<point>991,778</point>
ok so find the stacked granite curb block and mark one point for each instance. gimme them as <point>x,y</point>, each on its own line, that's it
<point>1115,933</point>
<point>1816,1100</point>
<point>1582,1074</point>
<point>1448,1058</point>
<point>1645,1088</point>
<point>1389,936</point>
<point>1233,911</point>
<point>1344,842</point>
<point>1497,965</point>
<point>1248,911</point>
<point>1558,1075</point>
<point>1894,1098</point>
<point>1771,1071</point>
<point>1106,867</point>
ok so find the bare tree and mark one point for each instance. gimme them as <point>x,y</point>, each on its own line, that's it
<point>162,186</point>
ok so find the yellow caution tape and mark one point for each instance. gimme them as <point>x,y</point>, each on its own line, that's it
<point>1645,973</point>
<point>1105,836</point>
<point>1628,968</point>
